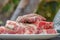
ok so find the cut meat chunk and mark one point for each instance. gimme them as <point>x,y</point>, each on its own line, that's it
<point>30,18</point>
<point>39,31</point>
<point>3,30</point>
<point>20,30</point>
<point>9,31</point>
<point>14,28</point>
<point>50,31</point>
<point>40,24</point>
<point>12,25</point>
<point>31,29</point>
<point>44,25</point>
<point>48,25</point>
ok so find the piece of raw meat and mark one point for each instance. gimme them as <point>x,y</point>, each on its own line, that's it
<point>3,30</point>
<point>20,30</point>
<point>9,31</point>
<point>50,31</point>
<point>12,25</point>
<point>49,25</point>
<point>31,29</point>
<point>30,18</point>
<point>44,25</point>
<point>39,31</point>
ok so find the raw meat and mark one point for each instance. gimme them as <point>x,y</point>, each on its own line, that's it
<point>3,30</point>
<point>9,31</point>
<point>50,31</point>
<point>44,25</point>
<point>28,24</point>
<point>31,29</point>
<point>30,18</point>
<point>11,25</point>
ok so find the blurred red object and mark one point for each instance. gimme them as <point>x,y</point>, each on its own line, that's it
<point>3,30</point>
<point>44,25</point>
<point>30,18</point>
<point>12,25</point>
<point>51,31</point>
<point>9,31</point>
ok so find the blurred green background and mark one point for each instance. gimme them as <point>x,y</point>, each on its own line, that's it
<point>45,8</point>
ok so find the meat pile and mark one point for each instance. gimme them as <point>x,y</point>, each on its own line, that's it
<point>28,24</point>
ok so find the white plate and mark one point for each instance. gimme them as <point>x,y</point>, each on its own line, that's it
<point>28,36</point>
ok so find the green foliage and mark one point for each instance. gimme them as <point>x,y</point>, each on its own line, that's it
<point>1,22</point>
<point>15,1</point>
<point>48,10</point>
<point>6,8</point>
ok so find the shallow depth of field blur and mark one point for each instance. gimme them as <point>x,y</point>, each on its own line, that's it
<point>45,8</point>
